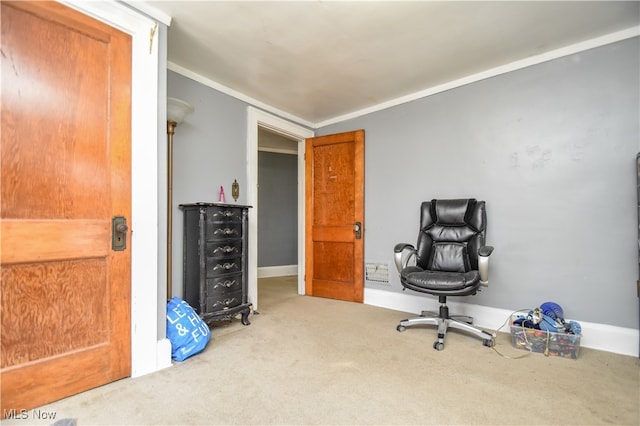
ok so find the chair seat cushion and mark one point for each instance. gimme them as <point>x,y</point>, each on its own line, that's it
<point>439,282</point>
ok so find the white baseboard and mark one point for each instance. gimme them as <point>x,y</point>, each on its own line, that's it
<point>277,271</point>
<point>163,353</point>
<point>603,337</point>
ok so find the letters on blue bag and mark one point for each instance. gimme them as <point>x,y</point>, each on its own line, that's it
<point>186,331</point>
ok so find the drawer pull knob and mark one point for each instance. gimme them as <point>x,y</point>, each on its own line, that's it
<point>227,284</point>
<point>226,231</point>
<point>226,249</point>
<point>226,266</point>
<point>227,213</point>
<point>225,302</point>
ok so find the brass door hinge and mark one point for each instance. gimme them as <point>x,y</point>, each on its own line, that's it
<point>152,33</point>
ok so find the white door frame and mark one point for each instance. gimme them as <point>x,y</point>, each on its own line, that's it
<point>258,118</point>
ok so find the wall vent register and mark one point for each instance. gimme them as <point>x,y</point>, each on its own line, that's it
<point>377,272</point>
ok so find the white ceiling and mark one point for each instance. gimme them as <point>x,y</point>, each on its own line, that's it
<point>318,61</point>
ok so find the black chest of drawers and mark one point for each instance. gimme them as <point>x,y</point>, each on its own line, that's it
<point>215,260</point>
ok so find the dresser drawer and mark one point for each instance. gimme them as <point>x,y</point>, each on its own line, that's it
<point>217,267</point>
<point>223,248</point>
<point>224,214</point>
<point>228,301</point>
<point>223,230</point>
<point>225,284</point>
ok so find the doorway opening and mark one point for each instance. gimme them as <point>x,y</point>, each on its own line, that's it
<point>278,198</point>
<point>257,121</point>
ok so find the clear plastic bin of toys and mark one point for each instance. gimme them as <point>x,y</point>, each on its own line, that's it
<point>550,343</point>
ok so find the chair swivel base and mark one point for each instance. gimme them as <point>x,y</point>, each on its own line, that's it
<point>443,321</point>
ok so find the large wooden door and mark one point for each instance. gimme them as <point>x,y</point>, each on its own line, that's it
<point>65,157</point>
<point>334,246</point>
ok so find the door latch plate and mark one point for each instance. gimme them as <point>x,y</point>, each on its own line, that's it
<point>119,230</point>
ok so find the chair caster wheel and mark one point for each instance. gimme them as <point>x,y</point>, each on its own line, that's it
<point>438,346</point>
<point>488,343</point>
<point>400,328</point>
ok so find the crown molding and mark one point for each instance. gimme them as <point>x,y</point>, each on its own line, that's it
<point>148,10</point>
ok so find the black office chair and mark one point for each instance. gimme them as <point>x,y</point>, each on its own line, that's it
<point>450,259</point>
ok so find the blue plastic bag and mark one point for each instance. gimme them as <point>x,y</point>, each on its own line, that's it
<point>186,331</point>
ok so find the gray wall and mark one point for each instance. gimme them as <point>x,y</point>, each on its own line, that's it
<point>278,213</point>
<point>209,150</point>
<point>551,148</point>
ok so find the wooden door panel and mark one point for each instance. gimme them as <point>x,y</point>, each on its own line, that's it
<point>333,261</point>
<point>333,233</point>
<point>67,316</point>
<point>90,237</point>
<point>333,265</point>
<point>51,379</point>
<point>333,180</point>
<point>335,192</point>
<point>57,108</point>
<point>65,161</point>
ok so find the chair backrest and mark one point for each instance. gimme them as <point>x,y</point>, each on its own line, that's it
<point>451,232</point>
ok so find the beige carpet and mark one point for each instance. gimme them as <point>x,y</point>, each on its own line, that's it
<point>307,360</point>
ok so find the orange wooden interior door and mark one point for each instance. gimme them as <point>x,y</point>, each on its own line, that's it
<point>334,248</point>
<point>65,156</point>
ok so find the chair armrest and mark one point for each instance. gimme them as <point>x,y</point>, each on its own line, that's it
<point>399,253</point>
<point>401,246</point>
<point>483,264</point>
<point>485,251</point>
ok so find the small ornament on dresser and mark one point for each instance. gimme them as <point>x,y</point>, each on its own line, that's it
<point>235,190</point>
<point>221,195</point>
